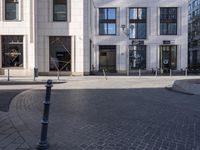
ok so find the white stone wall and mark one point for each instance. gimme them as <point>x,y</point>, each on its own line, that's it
<point>24,26</point>
<point>36,25</point>
<point>77,26</point>
<point>153,38</point>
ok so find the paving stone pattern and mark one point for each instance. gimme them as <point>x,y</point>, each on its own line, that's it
<point>123,119</point>
<point>10,139</point>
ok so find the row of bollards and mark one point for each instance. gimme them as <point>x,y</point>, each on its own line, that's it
<point>43,143</point>
<point>156,72</point>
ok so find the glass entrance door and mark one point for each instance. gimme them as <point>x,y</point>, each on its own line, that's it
<point>107,58</point>
<point>168,57</point>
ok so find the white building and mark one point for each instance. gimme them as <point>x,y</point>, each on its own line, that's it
<point>159,33</point>
<point>79,36</point>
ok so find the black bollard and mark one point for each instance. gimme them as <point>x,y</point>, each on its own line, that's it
<point>43,144</point>
<point>8,74</point>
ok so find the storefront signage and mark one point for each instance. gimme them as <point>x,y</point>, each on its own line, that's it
<point>136,42</point>
<point>166,42</point>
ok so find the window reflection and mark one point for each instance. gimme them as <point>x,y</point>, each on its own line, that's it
<point>12,51</point>
<point>107,21</point>
<point>137,57</point>
<point>137,20</point>
<point>168,21</point>
<point>60,10</point>
<point>60,53</point>
<point>11,10</point>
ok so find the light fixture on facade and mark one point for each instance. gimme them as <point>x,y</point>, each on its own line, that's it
<point>126,29</point>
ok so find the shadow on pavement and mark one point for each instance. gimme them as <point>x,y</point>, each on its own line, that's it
<point>6,97</point>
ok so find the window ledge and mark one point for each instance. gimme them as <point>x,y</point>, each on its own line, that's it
<point>13,21</point>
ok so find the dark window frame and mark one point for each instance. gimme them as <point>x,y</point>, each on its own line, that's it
<point>170,54</point>
<point>56,43</point>
<point>108,21</point>
<point>137,21</point>
<point>17,15</point>
<point>64,20</point>
<point>143,48</point>
<point>10,43</point>
<point>169,21</point>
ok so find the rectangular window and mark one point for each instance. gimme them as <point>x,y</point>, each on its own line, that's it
<point>107,21</point>
<point>137,23</point>
<point>59,10</point>
<point>11,10</point>
<point>137,57</point>
<point>60,53</point>
<point>12,51</point>
<point>168,21</point>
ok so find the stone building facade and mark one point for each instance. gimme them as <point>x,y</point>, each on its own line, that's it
<point>80,36</point>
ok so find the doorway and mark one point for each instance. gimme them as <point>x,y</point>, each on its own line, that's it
<point>168,57</point>
<point>107,58</point>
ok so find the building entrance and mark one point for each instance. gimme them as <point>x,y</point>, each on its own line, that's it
<point>168,58</point>
<point>107,58</point>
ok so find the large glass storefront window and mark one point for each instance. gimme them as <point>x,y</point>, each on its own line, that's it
<point>60,53</point>
<point>168,57</point>
<point>60,10</point>
<point>12,51</point>
<point>11,10</point>
<point>137,57</point>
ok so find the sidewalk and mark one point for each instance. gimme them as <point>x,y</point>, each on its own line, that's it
<point>190,86</point>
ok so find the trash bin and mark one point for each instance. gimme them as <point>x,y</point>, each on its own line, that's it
<point>35,72</point>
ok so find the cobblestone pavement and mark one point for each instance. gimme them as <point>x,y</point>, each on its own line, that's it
<point>10,139</point>
<point>114,119</point>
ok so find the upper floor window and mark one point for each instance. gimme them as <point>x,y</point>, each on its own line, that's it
<point>11,9</point>
<point>138,23</point>
<point>107,21</point>
<point>168,21</point>
<point>59,10</point>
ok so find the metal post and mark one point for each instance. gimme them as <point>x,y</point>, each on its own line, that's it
<point>127,63</point>
<point>35,73</point>
<point>104,73</point>
<point>156,72</point>
<point>170,72</point>
<point>58,75</point>
<point>139,72</point>
<point>43,144</point>
<point>8,74</point>
<point>186,72</point>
